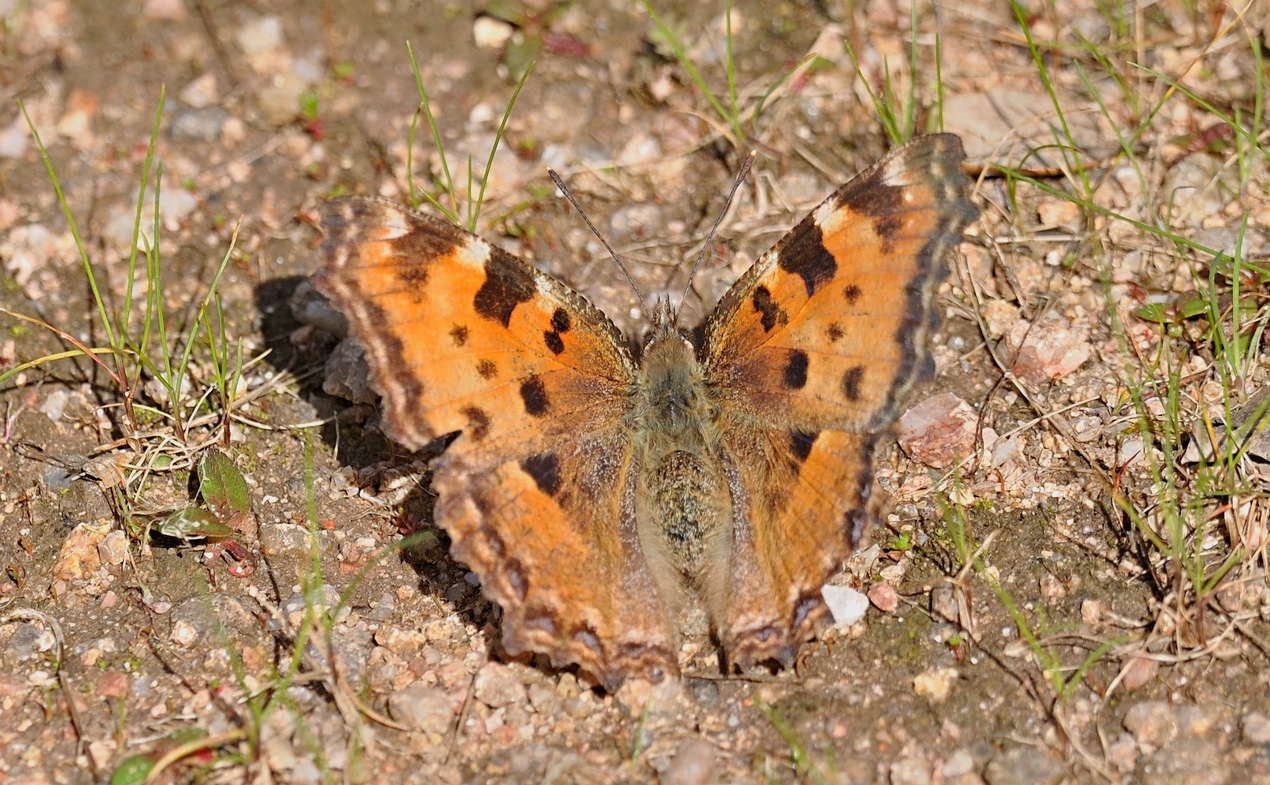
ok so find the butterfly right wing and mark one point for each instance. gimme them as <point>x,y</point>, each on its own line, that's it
<point>813,351</point>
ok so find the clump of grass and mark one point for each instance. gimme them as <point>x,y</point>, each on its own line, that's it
<point>1047,642</point>
<point>445,186</point>
<point>177,387</point>
<point>147,348</point>
<point>305,654</point>
<point>738,117</point>
<point>805,765</point>
<point>895,104</point>
<point>1188,522</point>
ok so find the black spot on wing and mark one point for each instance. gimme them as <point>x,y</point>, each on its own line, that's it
<point>554,343</point>
<point>834,332</point>
<point>414,276</point>
<point>796,370</point>
<point>534,395</point>
<point>477,422</point>
<point>851,293</point>
<point>882,203</point>
<point>507,284</point>
<point>771,313</point>
<point>458,334</point>
<point>851,382</point>
<point>801,442</point>
<point>486,368</point>
<point>544,468</point>
<point>805,255</point>
<point>560,324</point>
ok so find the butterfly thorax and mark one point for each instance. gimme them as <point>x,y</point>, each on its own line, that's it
<point>684,505</point>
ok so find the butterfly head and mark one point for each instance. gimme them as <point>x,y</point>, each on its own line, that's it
<point>672,401</point>
<point>663,324</point>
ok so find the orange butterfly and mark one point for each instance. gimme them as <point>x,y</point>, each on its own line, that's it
<point>600,494</point>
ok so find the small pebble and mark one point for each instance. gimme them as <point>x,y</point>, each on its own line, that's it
<point>498,685</point>
<point>845,604</point>
<point>422,708</point>
<point>693,764</point>
<point>1256,728</point>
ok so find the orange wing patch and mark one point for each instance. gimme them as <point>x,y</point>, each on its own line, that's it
<point>816,348</point>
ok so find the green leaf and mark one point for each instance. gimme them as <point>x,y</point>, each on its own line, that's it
<point>132,770</point>
<point>222,486</point>
<point>192,523</point>
<point>309,102</point>
<point>1154,312</point>
<point>521,53</point>
<point>1196,306</point>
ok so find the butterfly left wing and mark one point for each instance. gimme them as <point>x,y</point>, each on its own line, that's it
<point>535,490</point>
<point>812,353</point>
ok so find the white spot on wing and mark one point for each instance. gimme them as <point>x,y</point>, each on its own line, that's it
<point>825,218</point>
<point>475,251</point>
<point>896,172</point>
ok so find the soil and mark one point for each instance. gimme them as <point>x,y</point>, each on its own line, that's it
<point>345,644</point>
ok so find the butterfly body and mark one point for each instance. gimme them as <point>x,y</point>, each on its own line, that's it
<point>682,499</point>
<point>599,495</point>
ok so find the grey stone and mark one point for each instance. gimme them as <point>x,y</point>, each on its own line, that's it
<point>1024,766</point>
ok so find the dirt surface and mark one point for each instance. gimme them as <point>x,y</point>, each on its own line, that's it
<point>1024,626</point>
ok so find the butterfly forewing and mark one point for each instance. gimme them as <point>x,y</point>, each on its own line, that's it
<point>462,336</point>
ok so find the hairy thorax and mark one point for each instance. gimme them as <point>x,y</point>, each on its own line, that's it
<point>684,506</point>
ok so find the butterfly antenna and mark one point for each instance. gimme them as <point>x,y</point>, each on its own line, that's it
<point>740,178</point>
<point>620,265</point>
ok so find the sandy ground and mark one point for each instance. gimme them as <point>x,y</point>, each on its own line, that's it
<point>1074,648</point>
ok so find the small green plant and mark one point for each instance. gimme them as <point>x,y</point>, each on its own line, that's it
<point>896,106</point>
<point>225,507</point>
<point>192,746</point>
<point>1042,639</point>
<point>445,187</point>
<point>902,542</point>
<point>532,28</point>
<point>135,352</point>
<point>805,765</point>
<point>738,121</point>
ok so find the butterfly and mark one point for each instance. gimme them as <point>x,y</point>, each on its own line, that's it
<point>599,490</point>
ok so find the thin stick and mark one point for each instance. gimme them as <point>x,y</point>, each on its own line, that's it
<point>740,177</point>
<point>621,266</point>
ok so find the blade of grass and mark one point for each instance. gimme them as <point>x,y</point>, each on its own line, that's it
<point>74,229</point>
<point>733,122</point>
<point>426,107</point>
<point>474,208</point>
